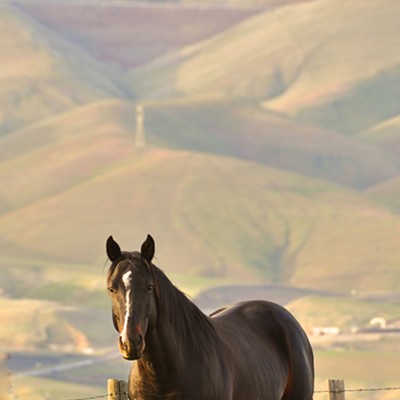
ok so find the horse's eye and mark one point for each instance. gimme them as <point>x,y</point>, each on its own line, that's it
<point>150,288</point>
<point>110,290</point>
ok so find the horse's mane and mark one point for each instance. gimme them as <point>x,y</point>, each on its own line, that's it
<point>194,329</point>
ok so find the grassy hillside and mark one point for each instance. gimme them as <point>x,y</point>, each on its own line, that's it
<point>241,221</point>
<point>34,324</point>
<point>63,151</point>
<point>215,176</point>
<point>131,38</point>
<point>358,369</point>
<point>385,135</point>
<point>387,192</point>
<point>41,389</point>
<point>314,61</point>
<point>245,131</point>
<point>42,75</point>
<point>345,312</point>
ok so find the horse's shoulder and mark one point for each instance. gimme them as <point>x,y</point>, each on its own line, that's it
<point>255,312</point>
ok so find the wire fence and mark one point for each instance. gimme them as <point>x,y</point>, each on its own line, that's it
<point>326,391</point>
<point>117,390</point>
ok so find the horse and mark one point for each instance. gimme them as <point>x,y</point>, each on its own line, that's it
<point>252,350</point>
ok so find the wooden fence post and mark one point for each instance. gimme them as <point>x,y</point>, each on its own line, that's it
<point>123,389</point>
<point>336,389</point>
<point>117,390</point>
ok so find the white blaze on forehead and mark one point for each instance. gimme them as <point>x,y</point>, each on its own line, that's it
<point>126,278</point>
<point>127,282</point>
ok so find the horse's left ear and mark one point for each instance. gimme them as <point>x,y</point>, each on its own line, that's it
<point>148,248</point>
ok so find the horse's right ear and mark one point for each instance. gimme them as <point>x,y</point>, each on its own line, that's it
<point>113,249</point>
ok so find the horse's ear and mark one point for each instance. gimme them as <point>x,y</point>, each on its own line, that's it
<point>148,248</point>
<point>113,249</point>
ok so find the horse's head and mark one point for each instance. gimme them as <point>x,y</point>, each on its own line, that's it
<point>131,286</point>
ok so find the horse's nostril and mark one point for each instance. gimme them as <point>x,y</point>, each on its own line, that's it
<point>122,344</point>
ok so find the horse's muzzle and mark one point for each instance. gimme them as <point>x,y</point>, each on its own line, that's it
<point>131,348</point>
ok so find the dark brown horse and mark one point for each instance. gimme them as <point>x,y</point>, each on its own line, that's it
<point>247,351</point>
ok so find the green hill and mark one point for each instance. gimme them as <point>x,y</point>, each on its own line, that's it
<point>385,135</point>
<point>388,193</point>
<point>62,151</point>
<point>42,75</point>
<point>213,216</point>
<point>318,62</point>
<point>248,132</point>
<point>136,33</point>
<point>222,185</point>
<point>35,324</point>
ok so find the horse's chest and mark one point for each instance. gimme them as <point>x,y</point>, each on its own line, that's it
<point>144,384</point>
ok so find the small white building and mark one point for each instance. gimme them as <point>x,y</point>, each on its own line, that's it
<point>378,322</point>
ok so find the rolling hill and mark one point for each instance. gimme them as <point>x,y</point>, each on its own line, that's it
<point>131,39</point>
<point>217,171</point>
<point>385,135</point>
<point>315,68</point>
<point>252,222</point>
<point>43,75</point>
<point>38,324</point>
<point>248,132</point>
<point>63,150</point>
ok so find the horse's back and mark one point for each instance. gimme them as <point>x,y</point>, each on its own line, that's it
<point>274,334</point>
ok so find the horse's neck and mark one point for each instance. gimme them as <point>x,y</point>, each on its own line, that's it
<point>181,326</point>
<point>180,329</point>
<point>181,335</point>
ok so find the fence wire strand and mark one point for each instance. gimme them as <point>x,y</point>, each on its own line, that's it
<point>357,390</point>
<point>99,396</point>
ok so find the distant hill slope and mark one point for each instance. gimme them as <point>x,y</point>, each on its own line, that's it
<point>385,135</point>
<point>228,126</point>
<point>42,75</point>
<point>210,215</point>
<point>136,33</point>
<point>387,192</point>
<point>320,62</point>
<point>63,151</point>
<point>37,324</point>
<point>222,184</point>
<point>245,131</point>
